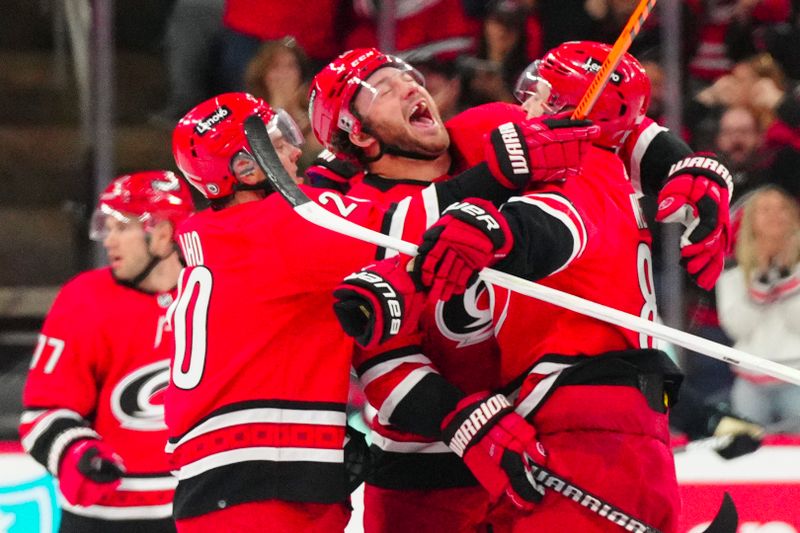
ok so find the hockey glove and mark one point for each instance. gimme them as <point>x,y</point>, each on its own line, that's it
<point>470,235</point>
<point>697,193</point>
<point>378,303</point>
<point>538,150</point>
<point>89,471</point>
<point>498,446</point>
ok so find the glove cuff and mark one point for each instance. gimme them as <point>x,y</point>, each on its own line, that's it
<point>508,157</point>
<point>703,164</point>
<point>473,417</point>
<point>484,216</point>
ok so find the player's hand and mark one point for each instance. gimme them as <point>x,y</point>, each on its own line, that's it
<point>697,193</point>
<point>378,303</point>
<point>538,150</point>
<point>498,446</point>
<point>89,471</point>
<point>470,235</point>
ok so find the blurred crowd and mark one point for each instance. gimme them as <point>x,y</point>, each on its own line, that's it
<point>740,99</point>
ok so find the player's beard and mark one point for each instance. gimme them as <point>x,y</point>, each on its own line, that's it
<point>429,146</point>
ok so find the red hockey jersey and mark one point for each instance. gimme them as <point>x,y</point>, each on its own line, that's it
<point>99,370</point>
<point>604,264</point>
<point>458,343</point>
<point>261,371</point>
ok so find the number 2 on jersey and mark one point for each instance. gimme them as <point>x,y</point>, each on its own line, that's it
<point>189,324</point>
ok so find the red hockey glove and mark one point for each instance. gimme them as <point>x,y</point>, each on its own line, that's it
<point>378,303</point>
<point>697,193</point>
<point>498,446</point>
<point>538,150</point>
<point>89,471</point>
<point>470,235</point>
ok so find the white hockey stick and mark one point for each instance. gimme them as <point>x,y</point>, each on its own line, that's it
<point>320,216</point>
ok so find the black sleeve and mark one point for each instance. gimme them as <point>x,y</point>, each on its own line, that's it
<point>542,243</point>
<point>476,182</point>
<point>664,150</point>
<point>426,405</point>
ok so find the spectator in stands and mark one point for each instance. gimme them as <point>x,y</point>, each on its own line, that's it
<point>738,142</point>
<point>502,55</point>
<point>759,304</point>
<point>318,28</point>
<point>714,55</point>
<point>278,74</point>
<point>440,23</point>
<point>192,41</point>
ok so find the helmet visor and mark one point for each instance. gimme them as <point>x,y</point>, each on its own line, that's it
<point>99,226</point>
<point>283,125</point>
<point>532,88</point>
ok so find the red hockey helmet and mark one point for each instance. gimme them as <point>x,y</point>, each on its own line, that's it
<point>207,137</point>
<point>567,71</point>
<point>148,197</point>
<point>333,90</point>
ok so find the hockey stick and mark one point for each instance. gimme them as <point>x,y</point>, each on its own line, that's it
<point>621,45</point>
<point>267,158</point>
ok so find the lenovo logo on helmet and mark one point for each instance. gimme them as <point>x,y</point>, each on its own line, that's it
<point>207,124</point>
<point>593,65</point>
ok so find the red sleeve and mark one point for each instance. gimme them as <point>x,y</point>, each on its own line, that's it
<point>61,390</point>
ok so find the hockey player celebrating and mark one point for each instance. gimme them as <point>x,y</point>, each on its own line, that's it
<point>256,402</point>
<point>372,107</point>
<point>93,402</point>
<point>563,234</point>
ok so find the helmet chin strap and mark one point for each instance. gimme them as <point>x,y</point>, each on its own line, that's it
<point>134,282</point>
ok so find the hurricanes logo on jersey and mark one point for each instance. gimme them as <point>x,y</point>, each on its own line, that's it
<point>467,321</point>
<point>138,399</point>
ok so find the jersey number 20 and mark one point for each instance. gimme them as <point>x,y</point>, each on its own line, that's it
<point>189,324</point>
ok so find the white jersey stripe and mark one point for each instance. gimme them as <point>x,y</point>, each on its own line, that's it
<point>642,143</point>
<point>29,441</point>
<point>387,366</point>
<point>261,453</point>
<point>398,223</point>
<point>430,199</point>
<point>573,223</point>
<point>144,484</point>
<point>389,445</point>
<point>401,391</point>
<point>266,415</point>
<point>144,512</point>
